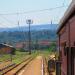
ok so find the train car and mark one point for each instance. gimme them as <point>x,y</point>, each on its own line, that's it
<point>66,41</point>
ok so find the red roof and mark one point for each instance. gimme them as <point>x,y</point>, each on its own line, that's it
<point>44,42</point>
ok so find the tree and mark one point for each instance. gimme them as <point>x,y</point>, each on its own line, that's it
<point>52,47</point>
<point>13,51</point>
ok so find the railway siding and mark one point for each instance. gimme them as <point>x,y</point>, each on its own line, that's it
<point>18,67</point>
<point>8,66</point>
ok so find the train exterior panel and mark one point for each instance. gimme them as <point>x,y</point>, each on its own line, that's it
<point>66,33</point>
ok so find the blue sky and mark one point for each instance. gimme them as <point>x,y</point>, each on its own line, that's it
<point>20,6</point>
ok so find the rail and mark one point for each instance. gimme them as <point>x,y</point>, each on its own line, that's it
<point>11,67</point>
<point>18,67</point>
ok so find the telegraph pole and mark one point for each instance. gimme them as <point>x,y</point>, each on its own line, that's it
<point>29,22</point>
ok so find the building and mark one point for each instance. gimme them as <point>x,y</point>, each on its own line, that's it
<point>66,33</point>
<point>6,49</point>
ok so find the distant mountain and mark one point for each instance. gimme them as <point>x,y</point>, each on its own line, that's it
<point>38,32</point>
<point>33,28</point>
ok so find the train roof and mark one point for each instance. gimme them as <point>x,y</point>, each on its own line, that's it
<point>67,15</point>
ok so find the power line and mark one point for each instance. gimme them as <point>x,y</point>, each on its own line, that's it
<point>20,27</point>
<point>10,22</point>
<point>2,15</point>
<point>34,11</point>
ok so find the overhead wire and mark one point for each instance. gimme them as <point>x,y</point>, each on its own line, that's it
<point>50,9</point>
<point>33,11</point>
<point>20,27</point>
<point>9,21</point>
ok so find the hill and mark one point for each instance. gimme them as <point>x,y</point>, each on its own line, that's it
<point>33,28</point>
<point>38,32</point>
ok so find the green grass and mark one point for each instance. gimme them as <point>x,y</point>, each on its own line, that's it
<point>19,56</point>
<point>46,53</point>
<point>4,57</point>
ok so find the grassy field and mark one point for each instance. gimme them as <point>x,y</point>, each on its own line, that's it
<point>15,58</point>
<point>4,57</point>
<point>19,56</point>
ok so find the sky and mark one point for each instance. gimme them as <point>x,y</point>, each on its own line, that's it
<point>14,12</point>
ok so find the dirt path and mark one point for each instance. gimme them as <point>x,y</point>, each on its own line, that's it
<point>34,68</point>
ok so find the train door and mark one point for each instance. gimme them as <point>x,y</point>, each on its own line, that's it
<point>73,60</point>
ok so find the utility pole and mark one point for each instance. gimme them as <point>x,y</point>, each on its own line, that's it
<point>29,22</point>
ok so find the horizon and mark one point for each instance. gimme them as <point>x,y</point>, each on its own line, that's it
<point>32,25</point>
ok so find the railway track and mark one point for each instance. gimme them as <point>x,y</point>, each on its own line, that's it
<point>7,68</point>
<point>4,64</point>
<point>13,69</point>
<point>35,67</point>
